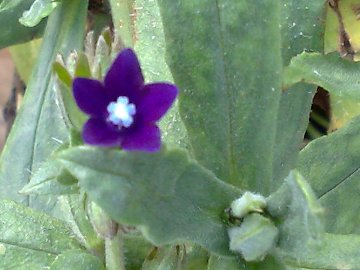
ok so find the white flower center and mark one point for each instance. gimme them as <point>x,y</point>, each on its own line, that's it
<point>121,112</point>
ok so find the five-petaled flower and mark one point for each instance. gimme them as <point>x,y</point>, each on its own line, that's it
<point>123,110</point>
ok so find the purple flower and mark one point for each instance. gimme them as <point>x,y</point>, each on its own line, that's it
<point>123,110</point>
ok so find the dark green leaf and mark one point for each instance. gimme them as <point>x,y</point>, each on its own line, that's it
<point>228,101</point>
<point>301,29</point>
<point>330,71</point>
<point>77,260</point>
<point>40,118</point>
<point>29,239</point>
<point>10,13</point>
<point>168,195</point>
<point>136,250</point>
<point>331,164</point>
<point>168,258</point>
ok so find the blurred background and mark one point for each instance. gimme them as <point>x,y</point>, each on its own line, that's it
<point>7,70</point>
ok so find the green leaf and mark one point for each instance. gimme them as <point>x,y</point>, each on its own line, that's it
<point>30,239</point>
<point>331,164</point>
<point>39,117</point>
<point>330,71</point>
<point>161,193</point>
<point>331,252</point>
<point>38,10</point>
<point>45,181</point>
<point>77,260</point>
<point>24,57</point>
<point>297,211</point>
<point>74,116</point>
<point>302,242</point>
<point>150,48</point>
<point>123,14</point>
<point>74,212</point>
<point>169,258</point>
<point>300,30</point>
<point>9,4</point>
<point>221,263</point>
<point>228,101</point>
<point>10,12</point>
<point>136,250</point>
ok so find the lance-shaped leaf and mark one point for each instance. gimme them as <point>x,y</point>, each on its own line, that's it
<point>330,71</point>
<point>31,238</point>
<point>39,127</point>
<point>331,164</point>
<point>10,12</point>
<point>228,101</point>
<point>301,29</point>
<point>123,14</point>
<point>169,196</point>
<point>152,58</point>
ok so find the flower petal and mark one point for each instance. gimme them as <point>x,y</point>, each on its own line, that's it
<point>90,96</point>
<point>156,100</point>
<point>142,138</point>
<point>124,77</point>
<point>98,132</point>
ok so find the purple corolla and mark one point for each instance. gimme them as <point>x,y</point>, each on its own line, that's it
<point>123,110</point>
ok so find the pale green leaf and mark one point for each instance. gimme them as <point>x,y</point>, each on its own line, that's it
<point>29,239</point>
<point>77,260</point>
<point>335,74</point>
<point>38,10</point>
<point>39,128</point>
<point>331,164</point>
<point>169,196</point>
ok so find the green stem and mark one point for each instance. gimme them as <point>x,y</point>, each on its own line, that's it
<point>114,248</point>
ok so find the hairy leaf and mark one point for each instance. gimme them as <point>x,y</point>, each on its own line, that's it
<point>77,260</point>
<point>169,196</point>
<point>301,29</point>
<point>331,164</point>
<point>29,239</point>
<point>330,71</point>
<point>39,117</point>
<point>228,101</point>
